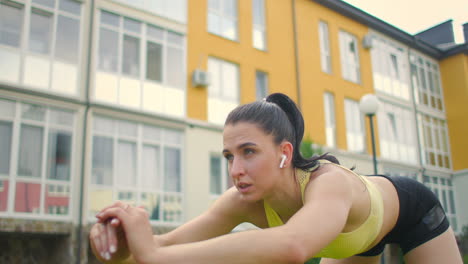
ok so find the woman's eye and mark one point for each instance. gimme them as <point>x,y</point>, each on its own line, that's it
<point>249,151</point>
<point>228,156</point>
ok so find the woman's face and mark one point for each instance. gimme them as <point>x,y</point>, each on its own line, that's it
<point>253,159</point>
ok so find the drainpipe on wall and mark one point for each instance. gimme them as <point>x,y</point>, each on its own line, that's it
<point>79,238</point>
<point>416,121</point>
<point>296,55</point>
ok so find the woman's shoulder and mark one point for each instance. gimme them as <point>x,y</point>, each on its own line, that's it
<point>231,203</point>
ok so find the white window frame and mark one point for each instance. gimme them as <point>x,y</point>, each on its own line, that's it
<point>426,79</point>
<point>221,16</point>
<point>163,139</point>
<point>261,92</point>
<point>355,135</point>
<point>220,102</point>
<point>350,65</point>
<point>45,71</point>
<point>397,133</point>
<point>223,177</point>
<point>325,53</point>
<point>330,119</point>
<point>47,125</point>
<point>172,9</point>
<point>436,146</point>
<point>165,96</point>
<point>443,188</point>
<point>259,27</point>
<point>389,61</point>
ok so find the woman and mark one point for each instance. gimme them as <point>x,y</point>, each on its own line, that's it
<point>305,207</point>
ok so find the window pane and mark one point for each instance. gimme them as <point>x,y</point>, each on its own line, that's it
<point>231,78</point>
<point>174,38</point>
<point>5,147</point>
<point>132,25</point>
<point>57,199</point>
<point>11,21</point>
<point>30,152</point>
<point>4,184</point>
<point>214,23</point>
<point>215,175</point>
<point>230,8</point>
<point>259,39</point>
<point>261,84</point>
<point>151,201</point>
<point>150,168</point>
<point>228,28</point>
<point>127,129</point>
<point>154,61</point>
<point>258,12</point>
<point>172,137</point>
<point>108,48</point>
<point>126,164</point>
<point>48,3</point>
<point>175,69</point>
<point>27,197</point>
<point>151,133</point>
<point>214,68</point>
<point>104,125</point>
<point>62,118</point>
<point>172,208</point>
<point>40,31</point>
<point>68,35</point>
<point>214,4</point>
<point>103,152</point>
<point>58,158</point>
<point>33,112</point>
<point>70,6</point>
<point>109,19</point>
<point>155,32</point>
<point>7,108</point>
<point>131,56</point>
<point>172,173</point>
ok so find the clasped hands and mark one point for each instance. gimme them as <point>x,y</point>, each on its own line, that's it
<point>121,230</point>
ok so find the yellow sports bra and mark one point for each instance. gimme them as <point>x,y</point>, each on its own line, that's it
<point>349,243</point>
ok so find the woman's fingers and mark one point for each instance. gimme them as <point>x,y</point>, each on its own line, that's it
<point>117,204</point>
<point>98,236</point>
<point>112,237</point>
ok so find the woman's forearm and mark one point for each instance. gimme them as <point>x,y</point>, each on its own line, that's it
<point>256,246</point>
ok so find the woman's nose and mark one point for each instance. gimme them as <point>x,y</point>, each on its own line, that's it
<point>237,168</point>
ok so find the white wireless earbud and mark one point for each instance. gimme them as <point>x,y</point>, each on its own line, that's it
<point>283,159</point>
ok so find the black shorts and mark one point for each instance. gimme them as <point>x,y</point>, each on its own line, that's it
<point>421,217</point>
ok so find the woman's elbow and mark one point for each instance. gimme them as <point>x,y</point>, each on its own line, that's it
<point>294,252</point>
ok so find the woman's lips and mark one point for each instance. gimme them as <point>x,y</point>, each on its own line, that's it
<point>243,187</point>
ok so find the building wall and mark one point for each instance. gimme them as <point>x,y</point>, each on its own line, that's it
<point>277,61</point>
<point>314,82</point>
<point>201,142</point>
<point>455,82</point>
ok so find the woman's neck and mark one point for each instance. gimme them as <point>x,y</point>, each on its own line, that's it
<point>286,198</point>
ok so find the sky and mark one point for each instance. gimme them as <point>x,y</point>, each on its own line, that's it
<point>414,16</point>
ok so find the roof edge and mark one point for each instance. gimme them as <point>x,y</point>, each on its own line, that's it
<point>381,26</point>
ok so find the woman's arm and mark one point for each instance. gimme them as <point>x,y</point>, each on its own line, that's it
<point>314,226</point>
<point>109,243</point>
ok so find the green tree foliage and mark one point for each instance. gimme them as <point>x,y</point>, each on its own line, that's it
<point>309,148</point>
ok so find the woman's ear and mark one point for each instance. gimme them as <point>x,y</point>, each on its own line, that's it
<point>286,149</point>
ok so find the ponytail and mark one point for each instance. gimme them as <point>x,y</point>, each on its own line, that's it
<point>278,115</point>
<point>297,123</point>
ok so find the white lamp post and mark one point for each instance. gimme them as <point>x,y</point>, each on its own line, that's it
<point>369,104</point>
